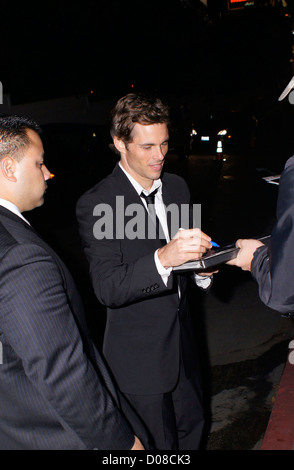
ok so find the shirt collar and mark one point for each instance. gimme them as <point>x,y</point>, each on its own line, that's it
<point>156,184</point>
<point>12,208</point>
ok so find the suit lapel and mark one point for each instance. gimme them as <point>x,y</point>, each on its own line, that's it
<point>170,198</point>
<point>125,187</point>
<point>127,190</point>
<point>10,215</point>
<point>131,196</point>
<point>27,231</point>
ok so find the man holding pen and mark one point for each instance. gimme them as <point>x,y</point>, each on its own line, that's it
<point>149,342</point>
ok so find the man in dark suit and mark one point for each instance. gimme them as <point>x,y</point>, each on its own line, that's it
<point>149,343</point>
<point>272,266</point>
<point>55,392</point>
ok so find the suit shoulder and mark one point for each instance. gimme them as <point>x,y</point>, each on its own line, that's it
<point>102,188</point>
<point>289,163</point>
<point>172,178</point>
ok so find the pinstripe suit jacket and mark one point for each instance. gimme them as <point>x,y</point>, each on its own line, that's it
<point>55,392</point>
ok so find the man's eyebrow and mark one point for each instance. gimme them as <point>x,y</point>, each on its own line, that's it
<point>152,143</point>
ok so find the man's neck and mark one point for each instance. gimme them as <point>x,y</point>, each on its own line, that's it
<point>138,184</point>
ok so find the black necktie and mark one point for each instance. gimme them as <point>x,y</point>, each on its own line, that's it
<point>150,199</point>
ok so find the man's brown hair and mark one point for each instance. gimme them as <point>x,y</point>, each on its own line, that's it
<point>136,108</point>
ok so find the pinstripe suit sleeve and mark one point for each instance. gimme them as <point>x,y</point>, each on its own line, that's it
<point>38,324</point>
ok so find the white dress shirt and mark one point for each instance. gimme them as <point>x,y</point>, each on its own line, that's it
<point>161,214</point>
<point>201,281</point>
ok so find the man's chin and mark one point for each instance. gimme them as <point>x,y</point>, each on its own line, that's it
<point>156,174</point>
<point>39,204</point>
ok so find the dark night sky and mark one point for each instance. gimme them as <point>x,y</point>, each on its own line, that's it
<point>53,48</point>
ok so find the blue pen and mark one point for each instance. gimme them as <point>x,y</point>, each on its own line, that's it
<point>215,244</point>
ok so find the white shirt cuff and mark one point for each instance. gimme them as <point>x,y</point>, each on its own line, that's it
<point>163,272</point>
<point>202,281</point>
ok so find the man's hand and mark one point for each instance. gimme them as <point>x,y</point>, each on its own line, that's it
<point>205,274</point>
<point>137,445</point>
<point>245,254</point>
<point>187,245</point>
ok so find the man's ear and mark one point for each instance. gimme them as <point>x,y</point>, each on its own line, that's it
<point>119,144</point>
<point>8,167</point>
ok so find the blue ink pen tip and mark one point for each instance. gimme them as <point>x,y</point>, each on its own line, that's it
<point>215,244</point>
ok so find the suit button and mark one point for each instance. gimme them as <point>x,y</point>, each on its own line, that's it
<point>144,291</point>
<point>156,286</point>
<point>148,289</point>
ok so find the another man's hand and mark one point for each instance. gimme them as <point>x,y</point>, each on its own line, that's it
<point>137,445</point>
<point>245,254</point>
<point>187,245</point>
<point>209,273</point>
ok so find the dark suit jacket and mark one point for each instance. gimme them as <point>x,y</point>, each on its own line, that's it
<point>53,384</point>
<point>273,268</point>
<point>147,324</point>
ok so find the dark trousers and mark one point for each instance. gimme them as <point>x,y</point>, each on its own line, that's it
<point>174,419</point>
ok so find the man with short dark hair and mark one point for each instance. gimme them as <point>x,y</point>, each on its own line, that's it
<point>149,343</point>
<point>55,391</point>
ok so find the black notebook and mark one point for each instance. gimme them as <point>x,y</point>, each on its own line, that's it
<point>214,257</point>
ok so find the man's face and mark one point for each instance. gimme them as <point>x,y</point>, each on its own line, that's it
<point>31,175</point>
<point>143,158</point>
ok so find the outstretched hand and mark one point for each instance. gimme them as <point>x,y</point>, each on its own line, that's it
<point>245,255</point>
<point>137,444</point>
